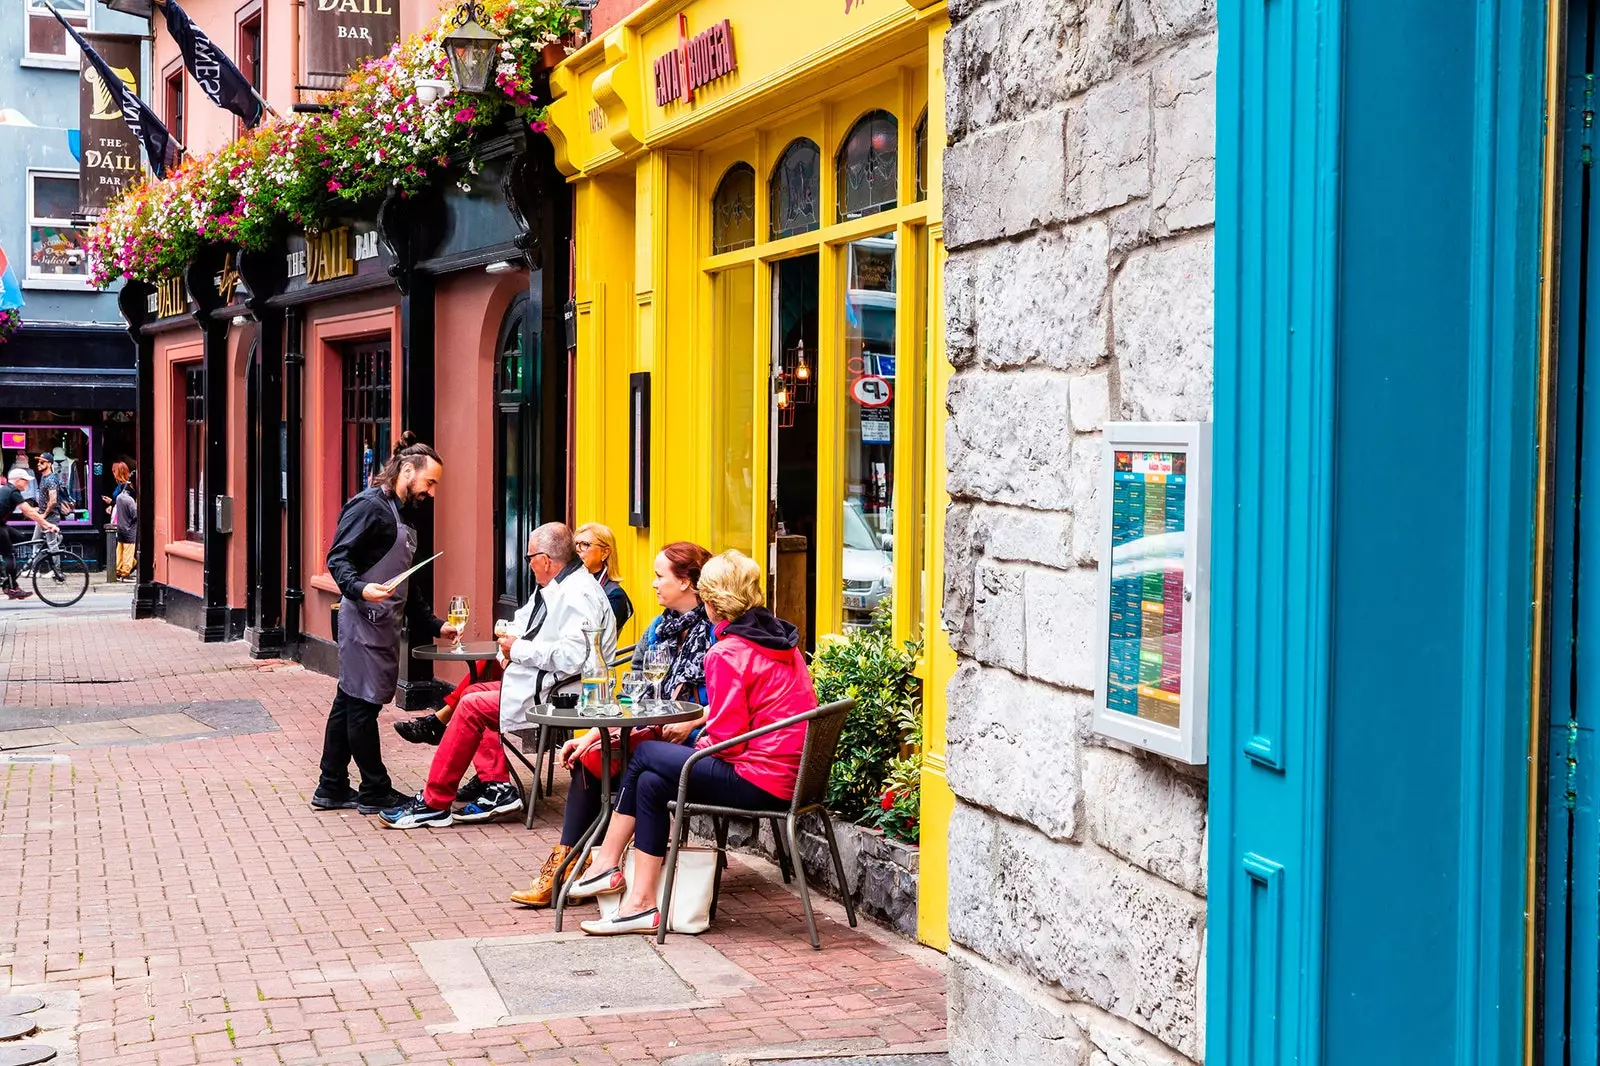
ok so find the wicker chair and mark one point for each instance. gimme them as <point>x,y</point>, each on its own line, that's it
<point>825,724</point>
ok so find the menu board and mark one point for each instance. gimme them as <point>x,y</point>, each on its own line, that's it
<point>1149,504</point>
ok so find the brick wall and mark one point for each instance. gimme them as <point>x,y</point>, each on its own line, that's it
<point>1078,214</point>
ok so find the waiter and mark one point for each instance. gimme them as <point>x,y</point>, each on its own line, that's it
<point>374,545</point>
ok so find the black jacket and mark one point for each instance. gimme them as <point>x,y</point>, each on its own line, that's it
<point>365,534</point>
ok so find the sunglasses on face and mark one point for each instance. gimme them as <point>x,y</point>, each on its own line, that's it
<point>531,556</point>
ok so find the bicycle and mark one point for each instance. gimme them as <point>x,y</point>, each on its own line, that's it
<point>60,576</point>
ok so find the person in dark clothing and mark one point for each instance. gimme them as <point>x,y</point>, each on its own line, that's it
<point>372,546</point>
<point>11,501</point>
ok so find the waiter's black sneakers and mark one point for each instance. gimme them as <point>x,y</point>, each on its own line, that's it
<point>415,814</point>
<point>379,804</point>
<point>423,729</point>
<point>322,801</point>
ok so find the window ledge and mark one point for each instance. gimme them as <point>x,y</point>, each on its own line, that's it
<point>187,549</point>
<point>64,282</point>
<point>50,63</point>
<point>325,583</point>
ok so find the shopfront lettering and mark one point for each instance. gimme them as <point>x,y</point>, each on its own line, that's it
<point>366,246</point>
<point>597,119</point>
<point>356,7</point>
<point>171,298</point>
<point>296,265</point>
<point>696,62</point>
<point>228,280</point>
<point>340,35</point>
<point>328,255</point>
<point>110,151</point>
<point>851,5</point>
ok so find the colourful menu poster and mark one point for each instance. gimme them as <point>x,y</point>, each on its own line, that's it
<point>1145,668</point>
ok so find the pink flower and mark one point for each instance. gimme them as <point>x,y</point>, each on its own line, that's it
<point>333,185</point>
<point>465,114</point>
<point>538,127</point>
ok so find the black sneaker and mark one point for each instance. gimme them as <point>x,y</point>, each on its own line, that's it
<point>379,804</point>
<point>415,814</point>
<point>470,792</point>
<point>423,729</point>
<point>499,798</point>
<point>322,801</point>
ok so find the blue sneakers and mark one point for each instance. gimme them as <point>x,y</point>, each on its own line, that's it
<point>495,799</point>
<point>415,814</point>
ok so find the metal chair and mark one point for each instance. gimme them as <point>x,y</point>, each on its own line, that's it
<point>824,725</point>
<point>547,741</point>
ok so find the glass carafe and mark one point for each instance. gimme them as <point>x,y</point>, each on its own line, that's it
<point>596,671</point>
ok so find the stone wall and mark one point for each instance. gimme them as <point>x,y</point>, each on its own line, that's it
<point>1078,214</point>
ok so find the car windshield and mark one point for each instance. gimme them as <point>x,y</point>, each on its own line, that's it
<point>857,534</point>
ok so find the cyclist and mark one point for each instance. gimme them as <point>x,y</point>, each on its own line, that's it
<point>11,501</point>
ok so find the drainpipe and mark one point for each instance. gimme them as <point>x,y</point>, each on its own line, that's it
<point>294,362</point>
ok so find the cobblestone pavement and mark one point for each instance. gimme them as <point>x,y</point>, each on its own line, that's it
<point>205,915</point>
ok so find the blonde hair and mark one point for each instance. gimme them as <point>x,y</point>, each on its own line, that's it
<point>730,584</point>
<point>604,538</point>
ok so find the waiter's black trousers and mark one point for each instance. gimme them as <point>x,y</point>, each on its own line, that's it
<point>8,560</point>
<point>353,733</point>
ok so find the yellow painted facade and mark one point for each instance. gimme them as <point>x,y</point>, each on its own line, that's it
<point>665,286</point>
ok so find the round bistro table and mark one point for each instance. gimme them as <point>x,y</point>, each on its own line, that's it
<point>471,652</point>
<point>622,717</point>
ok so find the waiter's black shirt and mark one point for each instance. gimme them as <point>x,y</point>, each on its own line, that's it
<point>365,534</point>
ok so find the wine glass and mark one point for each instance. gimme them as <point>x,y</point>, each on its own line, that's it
<point>457,615</point>
<point>657,659</point>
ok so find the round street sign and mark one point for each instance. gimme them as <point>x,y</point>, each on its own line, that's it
<point>869,390</point>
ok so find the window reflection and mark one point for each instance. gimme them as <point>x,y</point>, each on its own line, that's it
<point>868,167</point>
<point>870,312</point>
<point>733,210</point>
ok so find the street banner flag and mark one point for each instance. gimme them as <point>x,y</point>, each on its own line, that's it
<point>213,71</point>
<point>159,146</point>
<point>10,291</point>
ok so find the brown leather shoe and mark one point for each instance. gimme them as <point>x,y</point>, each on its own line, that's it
<point>542,892</point>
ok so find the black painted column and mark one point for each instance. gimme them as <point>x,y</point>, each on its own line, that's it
<point>294,363</point>
<point>550,234</point>
<point>200,279</point>
<point>263,275</point>
<point>134,302</point>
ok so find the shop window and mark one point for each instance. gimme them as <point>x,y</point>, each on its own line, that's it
<point>48,43</point>
<point>174,102</point>
<point>922,156</point>
<point>794,192</point>
<point>57,247</point>
<point>868,522</point>
<point>732,408</point>
<point>71,451</point>
<point>733,210</point>
<point>868,167</point>
<point>513,461</point>
<point>367,411</point>
<point>194,450</point>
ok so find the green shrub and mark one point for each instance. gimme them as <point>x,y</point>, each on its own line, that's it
<point>869,668</point>
<point>899,811</point>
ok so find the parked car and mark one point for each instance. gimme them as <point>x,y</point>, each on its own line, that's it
<point>868,566</point>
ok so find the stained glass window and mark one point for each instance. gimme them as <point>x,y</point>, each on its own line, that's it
<point>868,166</point>
<point>795,190</point>
<point>733,210</point>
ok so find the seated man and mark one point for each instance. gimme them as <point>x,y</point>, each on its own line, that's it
<point>543,652</point>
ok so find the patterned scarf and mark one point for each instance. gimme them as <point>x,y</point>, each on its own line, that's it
<point>691,634</point>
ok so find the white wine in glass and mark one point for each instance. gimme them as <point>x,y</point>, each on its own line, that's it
<point>457,615</point>
<point>656,660</point>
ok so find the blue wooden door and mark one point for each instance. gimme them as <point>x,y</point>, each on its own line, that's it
<point>1570,925</point>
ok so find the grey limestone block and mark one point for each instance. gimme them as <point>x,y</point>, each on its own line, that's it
<point>994,1021</point>
<point>1039,302</point>
<point>1062,608</point>
<point>1006,180</point>
<point>1163,301</point>
<point>1183,194</point>
<point>1006,438</point>
<point>1140,810</point>
<point>1108,145</point>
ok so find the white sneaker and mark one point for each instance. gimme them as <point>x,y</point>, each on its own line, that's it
<point>644,922</point>
<point>601,884</point>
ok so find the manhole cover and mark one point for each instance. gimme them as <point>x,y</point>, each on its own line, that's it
<point>575,976</point>
<point>15,1025</point>
<point>25,1054</point>
<point>19,1004</point>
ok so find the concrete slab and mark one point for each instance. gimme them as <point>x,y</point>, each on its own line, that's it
<point>11,739</point>
<point>166,725</point>
<point>97,733</point>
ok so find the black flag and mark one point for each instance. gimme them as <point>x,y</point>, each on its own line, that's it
<point>159,146</point>
<point>213,71</point>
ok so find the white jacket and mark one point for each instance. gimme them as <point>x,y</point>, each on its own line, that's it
<point>551,659</point>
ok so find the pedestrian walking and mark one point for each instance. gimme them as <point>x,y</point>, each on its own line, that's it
<point>372,546</point>
<point>125,518</point>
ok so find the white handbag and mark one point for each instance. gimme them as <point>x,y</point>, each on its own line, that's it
<point>691,890</point>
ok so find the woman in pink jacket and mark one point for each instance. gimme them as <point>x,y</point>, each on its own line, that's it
<point>756,675</point>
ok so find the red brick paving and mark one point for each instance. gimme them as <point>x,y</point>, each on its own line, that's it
<point>208,916</point>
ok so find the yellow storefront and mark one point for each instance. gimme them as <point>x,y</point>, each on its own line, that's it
<point>760,354</point>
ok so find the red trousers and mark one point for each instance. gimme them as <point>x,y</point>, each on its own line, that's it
<point>488,670</point>
<point>473,736</point>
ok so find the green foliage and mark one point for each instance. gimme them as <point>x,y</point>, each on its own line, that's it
<point>869,668</point>
<point>900,807</point>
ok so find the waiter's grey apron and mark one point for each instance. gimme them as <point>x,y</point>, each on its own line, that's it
<point>369,633</point>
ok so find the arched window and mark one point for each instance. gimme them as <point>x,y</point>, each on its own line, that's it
<point>922,156</point>
<point>794,191</point>
<point>733,210</point>
<point>868,166</point>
